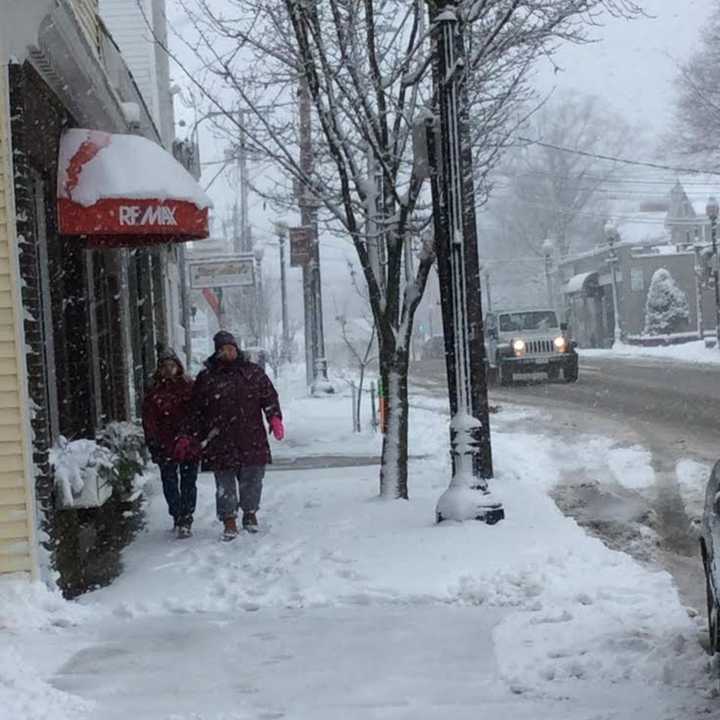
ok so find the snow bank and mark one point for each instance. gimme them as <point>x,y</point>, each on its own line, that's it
<point>691,352</point>
<point>27,610</point>
<point>692,479</point>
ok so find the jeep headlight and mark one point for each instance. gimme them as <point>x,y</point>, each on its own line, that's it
<point>518,346</point>
<point>560,344</point>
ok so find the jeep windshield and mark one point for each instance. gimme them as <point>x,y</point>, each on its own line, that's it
<point>533,320</point>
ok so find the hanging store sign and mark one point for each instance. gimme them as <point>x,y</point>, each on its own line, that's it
<point>232,271</point>
<point>300,246</point>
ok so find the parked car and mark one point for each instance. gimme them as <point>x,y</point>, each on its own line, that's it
<point>529,341</point>
<point>710,553</point>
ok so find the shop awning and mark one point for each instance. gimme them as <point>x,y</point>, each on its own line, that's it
<point>126,191</point>
<point>581,283</point>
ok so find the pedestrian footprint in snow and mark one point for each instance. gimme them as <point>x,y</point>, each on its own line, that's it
<point>229,399</point>
<point>165,413</point>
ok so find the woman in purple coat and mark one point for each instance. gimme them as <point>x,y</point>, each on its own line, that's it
<point>229,399</point>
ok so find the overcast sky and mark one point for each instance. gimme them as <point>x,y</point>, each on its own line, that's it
<point>632,66</point>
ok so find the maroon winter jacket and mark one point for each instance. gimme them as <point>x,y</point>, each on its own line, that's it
<point>165,412</point>
<point>229,400</point>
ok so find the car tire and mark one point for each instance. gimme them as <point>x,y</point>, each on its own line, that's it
<point>505,373</point>
<point>570,372</point>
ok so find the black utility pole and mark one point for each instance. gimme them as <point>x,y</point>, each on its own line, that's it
<point>281,230</point>
<point>312,285</point>
<point>468,496</point>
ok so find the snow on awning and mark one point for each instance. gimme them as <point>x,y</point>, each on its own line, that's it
<point>581,282</point>
<point>125,190</point>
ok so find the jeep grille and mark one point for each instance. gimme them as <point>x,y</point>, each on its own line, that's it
<point>534,347</point>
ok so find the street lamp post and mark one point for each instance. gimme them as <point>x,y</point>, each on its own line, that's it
<point>698,247</point>
<point>548,247</point>
<point>258,252</point>
<point>281,230</point>
<point>316,362</point>
<point>612,237</point>
<point>488,292</point>
<point>468,496</point>
<point>711,209</point>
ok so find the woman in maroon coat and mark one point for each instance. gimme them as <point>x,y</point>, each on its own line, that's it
<point>229,399</point>
<point>165,412</point>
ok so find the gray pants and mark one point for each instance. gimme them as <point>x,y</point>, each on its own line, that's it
<point>248,481</point>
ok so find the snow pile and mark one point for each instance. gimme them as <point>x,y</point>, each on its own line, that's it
<point>26,607</point>
<point>691,352</point>
<point>24,696</point>
<point>692,479</point>
<point>666,308</point>
<point>95,165</point>
<point>82,469</point>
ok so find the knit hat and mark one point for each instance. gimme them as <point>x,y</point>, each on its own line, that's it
<point>167,353</point>
<point>224,338</point>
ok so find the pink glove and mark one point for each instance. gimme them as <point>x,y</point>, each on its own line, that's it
<point>276,426</point>
<point>182,445</point>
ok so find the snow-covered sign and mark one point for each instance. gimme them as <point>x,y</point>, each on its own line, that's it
<point>231,271</point>
<point>121,190</point>
<point>82,471</point>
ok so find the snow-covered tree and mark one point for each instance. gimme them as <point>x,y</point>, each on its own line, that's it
<point>366,65</point>
<point>544,191</point>
<point>666,308</point>
<point>697,107</point>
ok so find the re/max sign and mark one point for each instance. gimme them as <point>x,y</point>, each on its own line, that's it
<point>151,215</point>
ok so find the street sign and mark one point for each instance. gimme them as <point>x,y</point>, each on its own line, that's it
<point>300,245</point>
<point>230,271</point>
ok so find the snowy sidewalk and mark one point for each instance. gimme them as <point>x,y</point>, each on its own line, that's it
<point>349,607</point>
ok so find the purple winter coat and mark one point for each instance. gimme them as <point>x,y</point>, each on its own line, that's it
<point>228,402</point>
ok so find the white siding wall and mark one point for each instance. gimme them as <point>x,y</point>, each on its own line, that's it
<point>17,536</point>
<point>125,21</point>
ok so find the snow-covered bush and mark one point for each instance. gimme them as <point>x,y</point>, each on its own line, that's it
<point>87,471</point>
<point>126,442</point>
<point>666,308</point>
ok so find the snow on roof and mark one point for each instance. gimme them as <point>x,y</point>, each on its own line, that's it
<point>95,165</point>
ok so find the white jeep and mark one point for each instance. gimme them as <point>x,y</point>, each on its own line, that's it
<point>529,341</point>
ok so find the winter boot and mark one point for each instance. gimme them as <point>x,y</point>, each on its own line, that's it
<point>184,528</point>
<point>249,522</point>
<point>230,531</point>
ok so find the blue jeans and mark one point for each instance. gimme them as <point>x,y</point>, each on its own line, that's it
<point>181,496</point>
<point>240,488</point>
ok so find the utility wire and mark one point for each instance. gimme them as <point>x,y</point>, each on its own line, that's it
<point>623,161</point>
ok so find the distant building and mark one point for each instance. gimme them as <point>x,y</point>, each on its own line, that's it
<point>648,241</point>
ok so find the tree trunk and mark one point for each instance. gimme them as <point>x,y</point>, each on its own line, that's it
<point>361,382</point>
<point>393,471</point>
